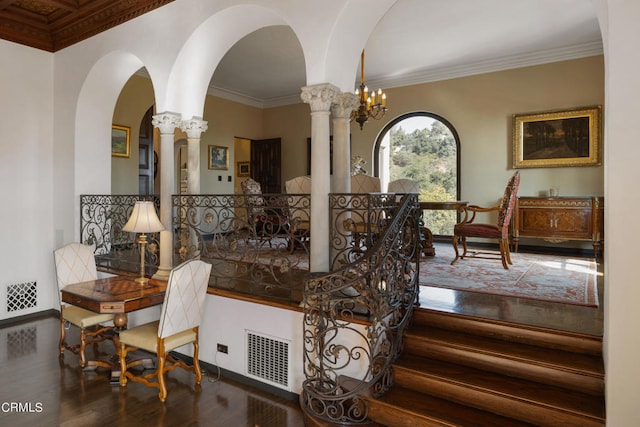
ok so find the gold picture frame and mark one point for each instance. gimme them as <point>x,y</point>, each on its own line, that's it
<point>218,157</point>
<point>558,138</point>
<point>244,169</point>
<point>120,141</point>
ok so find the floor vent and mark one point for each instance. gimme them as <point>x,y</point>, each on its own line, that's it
<point>22,296</point>
<point>268,359</point>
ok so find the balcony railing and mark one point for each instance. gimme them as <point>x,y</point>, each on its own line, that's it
<point>258,250</point>
<point>101,220</point>
<point>355,316</point>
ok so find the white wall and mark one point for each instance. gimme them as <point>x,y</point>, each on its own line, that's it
<point>26,151</point>
<point>619,23</point>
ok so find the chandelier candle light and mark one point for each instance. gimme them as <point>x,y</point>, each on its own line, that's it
<point>374,105</point>
<point>143,220</point>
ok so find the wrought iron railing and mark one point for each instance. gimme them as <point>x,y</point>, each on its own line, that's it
<point>344,356</point>
<point>356,220</point>
<point>101,220</point>
<point>258,245</point>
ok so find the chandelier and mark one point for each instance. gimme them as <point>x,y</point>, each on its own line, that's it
<point>372,105</point>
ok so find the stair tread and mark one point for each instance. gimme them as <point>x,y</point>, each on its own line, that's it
<point>450,413</point>
<point>510,331</point>
<point>506,386</point>
<point>584,363</point>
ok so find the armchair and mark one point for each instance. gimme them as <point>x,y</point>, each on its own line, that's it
<point>468,228</point>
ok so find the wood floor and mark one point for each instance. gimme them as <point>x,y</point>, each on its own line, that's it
<point>49,392</point>
<point>565,317</point>
<point>55,393</point>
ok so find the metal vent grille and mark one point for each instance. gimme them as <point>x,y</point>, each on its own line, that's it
<point>268,358</point>
<point>22,296</point>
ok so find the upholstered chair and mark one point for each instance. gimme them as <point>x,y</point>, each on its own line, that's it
<point>365,184</point>
<point>468,228</point>
<point>76,263</point>
<point>403,186</point>
<point>178,325</point>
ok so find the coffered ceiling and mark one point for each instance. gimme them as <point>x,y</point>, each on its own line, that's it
<point>52,25</point>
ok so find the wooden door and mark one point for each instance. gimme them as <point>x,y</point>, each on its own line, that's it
<point>266,164</point>
<point>146,169</point>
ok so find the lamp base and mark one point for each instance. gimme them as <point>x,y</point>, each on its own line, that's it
<point>142,280</point>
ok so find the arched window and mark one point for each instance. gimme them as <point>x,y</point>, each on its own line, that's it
<point>423,147</point>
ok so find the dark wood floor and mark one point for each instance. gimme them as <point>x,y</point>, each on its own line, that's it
<point>55,393</point>
<point>566,317</point>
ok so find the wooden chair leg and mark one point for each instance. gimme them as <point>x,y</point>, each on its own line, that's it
<point>196,362</point>
<point>63,332</point>
<point>160,373</point>
<point>455,249</point>
<point>504,254</point>
<point>83,344</point>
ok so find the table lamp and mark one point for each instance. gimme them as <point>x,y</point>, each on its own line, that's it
<point>143,220</point>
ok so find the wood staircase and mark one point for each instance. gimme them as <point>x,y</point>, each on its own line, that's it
<point>458,370</point>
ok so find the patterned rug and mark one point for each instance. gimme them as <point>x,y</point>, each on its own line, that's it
<point>569,280</point>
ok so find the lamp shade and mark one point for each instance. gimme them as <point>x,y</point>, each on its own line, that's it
<point>143,219</point>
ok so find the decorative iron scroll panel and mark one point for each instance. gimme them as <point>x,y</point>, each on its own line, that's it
<point>268,258</point>
<point>101,220</point>
<point>342,358</point>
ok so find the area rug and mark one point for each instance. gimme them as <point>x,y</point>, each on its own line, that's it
<point>569,280</point>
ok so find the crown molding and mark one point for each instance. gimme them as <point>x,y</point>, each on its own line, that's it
<point>493,65</point>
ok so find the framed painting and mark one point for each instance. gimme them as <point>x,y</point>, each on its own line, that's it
<point>244,169</point>
<point>218,157</point>
<point>120,141</point>
<point>557,138</point>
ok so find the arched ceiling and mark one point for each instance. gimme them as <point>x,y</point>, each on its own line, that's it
<point>417,41</point>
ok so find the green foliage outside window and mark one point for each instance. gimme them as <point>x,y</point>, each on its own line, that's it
<point>428,156</point>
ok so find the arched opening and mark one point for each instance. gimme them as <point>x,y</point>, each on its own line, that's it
<point>425,148</point>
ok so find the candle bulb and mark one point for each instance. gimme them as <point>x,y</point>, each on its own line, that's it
<point>384,100</point>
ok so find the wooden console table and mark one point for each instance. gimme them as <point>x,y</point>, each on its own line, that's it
<point>557,219</point>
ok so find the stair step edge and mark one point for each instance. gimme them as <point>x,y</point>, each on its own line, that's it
<point>507,331</point>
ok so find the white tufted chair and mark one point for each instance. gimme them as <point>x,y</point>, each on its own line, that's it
<point>403,186</point>
<point>365,184</point>
<point>76,263</point>
<point>178,325</point>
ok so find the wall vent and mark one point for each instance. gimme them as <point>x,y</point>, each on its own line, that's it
<point>268,359</point>
<point>21,296</point>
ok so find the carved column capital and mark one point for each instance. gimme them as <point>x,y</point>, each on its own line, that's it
<point>319,97</point>
<point>166,122</point>
<point>194,127</point>
<point>343,105</point>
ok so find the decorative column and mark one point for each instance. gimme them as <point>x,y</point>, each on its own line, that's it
<point>193,128</point>
<point>166,122</point>
<point>341,110</point>
<point>319,97</point>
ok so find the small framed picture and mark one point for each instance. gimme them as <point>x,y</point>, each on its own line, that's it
<point>120,142</point>
<point>218,157</point>
<point>244,169</point>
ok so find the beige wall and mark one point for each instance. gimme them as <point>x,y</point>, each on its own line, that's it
<point>134,101</point>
